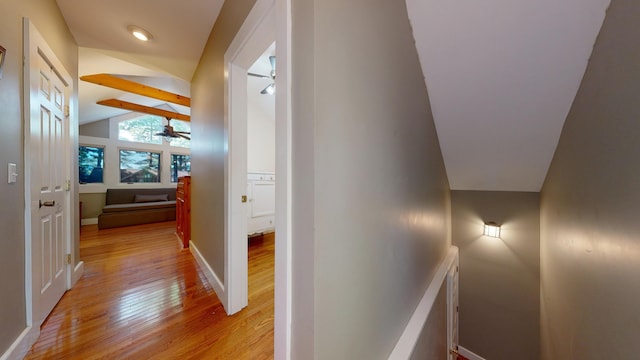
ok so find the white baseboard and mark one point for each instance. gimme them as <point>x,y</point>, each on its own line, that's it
<point>23,343</point>
<point>89,221</point>
<point>77,273</point>
<point>468,354</point>
<point>215,282</point>
<point>408,340</point>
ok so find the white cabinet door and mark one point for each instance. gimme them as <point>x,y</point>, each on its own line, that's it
<point>261,190</point>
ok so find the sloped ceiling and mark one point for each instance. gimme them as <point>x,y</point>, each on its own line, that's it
<point>501,77</point>
<point>180,32</point>
<point>501,74</point>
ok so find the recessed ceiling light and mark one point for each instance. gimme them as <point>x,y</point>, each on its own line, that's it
<point>140,33</point>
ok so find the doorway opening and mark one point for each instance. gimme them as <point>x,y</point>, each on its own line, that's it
<point>257,33</point>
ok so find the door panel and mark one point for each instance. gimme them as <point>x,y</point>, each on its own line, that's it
<point>49,130</point>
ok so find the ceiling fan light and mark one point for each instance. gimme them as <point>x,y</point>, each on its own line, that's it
<point>168,138</point>
<point>270,89</point>
<point>140,33</point>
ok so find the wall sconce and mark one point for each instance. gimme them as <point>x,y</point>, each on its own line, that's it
<point>492,229</point>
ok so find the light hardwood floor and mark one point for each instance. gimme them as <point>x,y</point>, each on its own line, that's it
<point>141,297</point>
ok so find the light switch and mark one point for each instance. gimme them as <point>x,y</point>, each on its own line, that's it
<point>12,173</point>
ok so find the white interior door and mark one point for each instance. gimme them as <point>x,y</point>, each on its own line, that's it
<point>48,162</point>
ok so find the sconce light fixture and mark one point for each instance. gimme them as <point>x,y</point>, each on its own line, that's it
<point>492,229</point>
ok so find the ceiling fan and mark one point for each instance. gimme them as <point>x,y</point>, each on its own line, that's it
<point>169,133</point>
<point>271,88</point>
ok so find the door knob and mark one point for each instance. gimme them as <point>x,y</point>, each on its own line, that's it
<point>47,203</point>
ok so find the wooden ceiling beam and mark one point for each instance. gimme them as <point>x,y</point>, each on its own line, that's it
<point>144,109</point>
<point>136,88</point>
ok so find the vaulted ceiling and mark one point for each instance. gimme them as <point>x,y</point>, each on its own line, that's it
<point>501,75</point>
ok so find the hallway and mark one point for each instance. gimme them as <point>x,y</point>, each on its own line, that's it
<point>141,297</point>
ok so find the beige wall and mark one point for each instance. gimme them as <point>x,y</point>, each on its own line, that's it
<point>499,278</point>
<point>371,196</point>
<point>46,17</point>
<point>207,128</point>
<point>92,204</point>
<point>590,206</point>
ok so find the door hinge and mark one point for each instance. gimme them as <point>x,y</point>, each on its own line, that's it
<point>67,185</point>
<point>68,259</point>
<point>457,308</point>
<point>454,352</point>
<point>66,111</point>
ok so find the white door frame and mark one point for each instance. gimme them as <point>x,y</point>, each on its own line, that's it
<point>34,43</point>
<point>268,21</point>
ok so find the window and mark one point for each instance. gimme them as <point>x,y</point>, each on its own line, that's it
<point>141,129</point>
<point>139,166</point>
<point>90,164</point>
<point>180,166</point>
<point>185,126</point>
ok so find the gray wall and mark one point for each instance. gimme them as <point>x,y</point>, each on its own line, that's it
<point>371,197</point>
<point>590,206</point>
<point>45,15</point>
<point>96,129</point>
<point>499,278</point>
<point>207,128</point>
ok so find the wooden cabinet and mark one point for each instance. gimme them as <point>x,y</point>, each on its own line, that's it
<point>183,210</point>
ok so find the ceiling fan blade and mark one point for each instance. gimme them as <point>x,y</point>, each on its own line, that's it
<point>259,76</point>
<point>182,132</point>
<point>272,60</point>
<point>269,90</point>
<point>184,136</point>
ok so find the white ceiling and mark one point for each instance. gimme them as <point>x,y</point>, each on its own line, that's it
<point>262,102</point>
<point>180,31</point>
<point>501,77</point>
<point>501,74</point>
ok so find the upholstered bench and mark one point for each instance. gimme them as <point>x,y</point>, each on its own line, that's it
<point>124,207</point>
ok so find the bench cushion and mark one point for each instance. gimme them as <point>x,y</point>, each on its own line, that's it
<point>139,206</point>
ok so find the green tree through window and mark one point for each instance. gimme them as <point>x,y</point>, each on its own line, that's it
<point>179,125</point>
<point>139,166</point>
<point>141,129</point>
<point>90,164</point>
<point>180,166</point>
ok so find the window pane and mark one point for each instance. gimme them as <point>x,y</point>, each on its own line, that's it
<point>180,166</point>
<point>90,164</point>
<point>179,125</point>
<point>141,129</point>
<point>139,166</point>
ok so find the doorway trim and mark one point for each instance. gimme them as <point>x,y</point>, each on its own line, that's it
<point>255,35</point>
<point>268,21</point>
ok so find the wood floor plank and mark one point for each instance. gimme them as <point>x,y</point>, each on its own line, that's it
<point>141,297</point>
